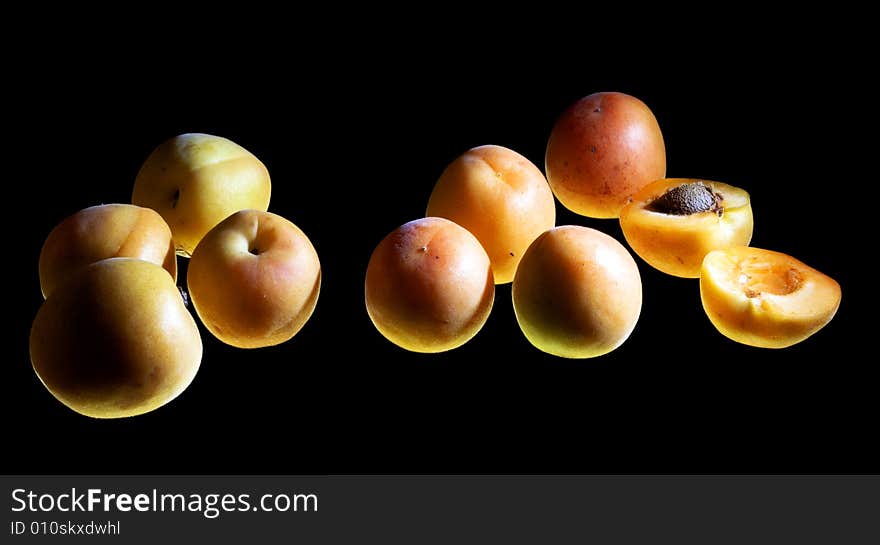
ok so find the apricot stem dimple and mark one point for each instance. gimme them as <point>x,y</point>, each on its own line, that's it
<point>687,199</point>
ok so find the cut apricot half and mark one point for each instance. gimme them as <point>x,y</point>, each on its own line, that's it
<point>764,298</point>
<point>673,223</point>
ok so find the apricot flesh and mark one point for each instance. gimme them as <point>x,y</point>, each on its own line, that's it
<point>673,223</point>
<point>602,150</point>
<point>115,340</point>
<point>577,293</point>
<point>764,298</point>
<point>501,197</point>
<point>429,286</point>
<point>101,232</point>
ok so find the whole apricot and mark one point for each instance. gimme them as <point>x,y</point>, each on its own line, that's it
<point>101,232</point>
<point>429,286</point>
<point>501,197</point>
<point>254,279</point>
<point>603,149</point>
<point>764,298</point>
<point>577,293</point>
<point>673,223</point>
<point>195,181</point>
<point>115,340</point>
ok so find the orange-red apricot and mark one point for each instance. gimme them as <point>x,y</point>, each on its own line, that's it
<point>429,286</point>
<point>602,150</point>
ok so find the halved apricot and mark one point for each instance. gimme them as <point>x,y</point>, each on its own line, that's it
<point>764,298</point>
<point>673,223</point>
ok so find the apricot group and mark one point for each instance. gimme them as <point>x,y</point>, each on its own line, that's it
<point>114,337</point>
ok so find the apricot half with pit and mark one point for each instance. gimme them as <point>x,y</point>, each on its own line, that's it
<point>577,293</point>
<point>764,298</point>
<point>673,223</point>
<point>429,286</point>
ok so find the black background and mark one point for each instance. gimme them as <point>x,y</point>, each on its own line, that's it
<point>354,142</point>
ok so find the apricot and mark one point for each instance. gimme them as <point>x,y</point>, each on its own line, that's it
<point>429,286</point>
<point>115,340</point>
<point>501,197</point>
<point>195,181</point>
<point>603,149</point>
<point>101,232</point>
<point>764,298</point>
<point>254,279</point>
<point>673,223</point>
<point>577,293</point>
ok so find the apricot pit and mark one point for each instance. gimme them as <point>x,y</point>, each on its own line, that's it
<point>687,199</point>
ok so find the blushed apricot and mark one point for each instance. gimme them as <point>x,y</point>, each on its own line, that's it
<point>254,279</point>
<point>673,223</point>
<point>602,150</point>
<point>501,198</point>
<point>577,293</point>
<point>764,298</point>
<point>101,232</point>
<point>429,286</point>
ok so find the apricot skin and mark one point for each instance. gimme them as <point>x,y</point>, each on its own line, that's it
<point>254,279</point>
<point>764,298</point>
<point>429,286</point>
<point>501,198</point>
<point>101,232</point>
<point>115,340</point>
<point>577,293</point>
<point>677,244</point>
<point>196,180</point>
<point>603,149</point>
